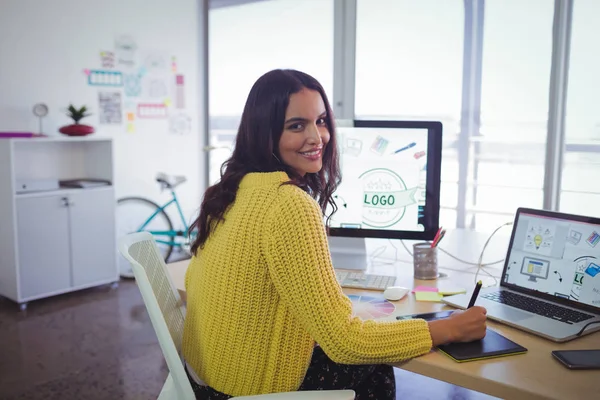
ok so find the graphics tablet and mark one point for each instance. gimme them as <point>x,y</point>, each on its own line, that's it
<point>491,346</point>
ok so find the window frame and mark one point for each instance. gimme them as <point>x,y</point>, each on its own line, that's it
<point>344,27</point>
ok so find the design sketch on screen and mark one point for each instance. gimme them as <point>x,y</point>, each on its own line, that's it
<point>535,268</point>
<point>555,256</point>
<point>384,178</point>
<point>540,237</point>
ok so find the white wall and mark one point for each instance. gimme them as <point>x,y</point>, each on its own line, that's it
<point>45,47</point>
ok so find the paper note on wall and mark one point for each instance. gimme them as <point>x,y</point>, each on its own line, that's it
<point>110,107</point>
<point>179,92</point>
<point>180,124</point>
<point>98,77</point>
<point>132,85</point>
<point>151,110</point>
<point>125,49</point>
<point>107,59</point>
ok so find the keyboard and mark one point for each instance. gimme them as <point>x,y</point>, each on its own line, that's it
<point>360,280</point>
<point>538,307</point>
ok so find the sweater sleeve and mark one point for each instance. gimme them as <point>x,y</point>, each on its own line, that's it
<point>297,254</point>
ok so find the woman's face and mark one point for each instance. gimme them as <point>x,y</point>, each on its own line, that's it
<point>305,133</point>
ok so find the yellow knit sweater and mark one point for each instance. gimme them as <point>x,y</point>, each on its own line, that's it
<point>263,290</point>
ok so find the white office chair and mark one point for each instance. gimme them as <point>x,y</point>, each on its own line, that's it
<point>167,313</point>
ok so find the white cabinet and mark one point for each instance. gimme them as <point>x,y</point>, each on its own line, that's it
<point>92,233</point>
<point>43,237</point>
<point>61,240</point>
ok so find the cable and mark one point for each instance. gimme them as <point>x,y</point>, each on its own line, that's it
<point>480,267</point>
<point>452,256</point>
<point>585,326</point>
<point>479,264</point>
<point>379,251</point>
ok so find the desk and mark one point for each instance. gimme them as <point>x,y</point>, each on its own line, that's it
<point>534,375</point>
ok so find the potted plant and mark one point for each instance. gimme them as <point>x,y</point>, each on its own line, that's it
<point>77,129</point>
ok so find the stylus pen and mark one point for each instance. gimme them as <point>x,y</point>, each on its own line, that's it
<point>408,146</point>
<point>475,294</point>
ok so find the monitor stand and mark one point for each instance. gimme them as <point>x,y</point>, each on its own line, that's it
<point>348,252</point>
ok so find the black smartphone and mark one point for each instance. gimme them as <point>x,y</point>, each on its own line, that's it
<point>578,359</point>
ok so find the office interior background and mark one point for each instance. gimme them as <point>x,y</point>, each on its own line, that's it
<point>515,84</point>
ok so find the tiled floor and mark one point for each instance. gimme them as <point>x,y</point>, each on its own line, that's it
<point>99,344</point>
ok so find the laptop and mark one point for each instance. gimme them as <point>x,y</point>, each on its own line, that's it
<point>550,285</point>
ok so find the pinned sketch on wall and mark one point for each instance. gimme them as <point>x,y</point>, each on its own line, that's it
<point>132,85</point>
<point>155,62</point>
<point>156,88</point>
<point>97,77</point>
<point>180,124</point>
<point>179,92</point>
<point>110,107</point>
<point>153,87</point>
<point>152,110</point>
<point>107,59</point>
<point>125,49</point>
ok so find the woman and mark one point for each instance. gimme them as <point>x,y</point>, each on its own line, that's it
<point>261,290</point>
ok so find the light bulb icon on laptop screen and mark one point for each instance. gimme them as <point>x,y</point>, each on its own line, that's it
<point>538,241</point>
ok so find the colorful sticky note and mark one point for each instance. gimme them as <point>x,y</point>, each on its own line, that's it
<point>168,102</point>
<point>428,296</point>
<point>130,116</point>
<point>130,127</point>
<point>424,289</point>
<point>448,291</point>
<point>86,71</point>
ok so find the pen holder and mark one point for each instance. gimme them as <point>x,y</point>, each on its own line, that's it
<point>425,261</point>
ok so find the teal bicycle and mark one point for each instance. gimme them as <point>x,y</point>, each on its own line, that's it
<point>137,214</point>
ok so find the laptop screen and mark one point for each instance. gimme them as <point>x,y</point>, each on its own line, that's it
<point>557,256</point>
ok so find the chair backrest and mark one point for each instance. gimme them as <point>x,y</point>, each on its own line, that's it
<point>164,305</point>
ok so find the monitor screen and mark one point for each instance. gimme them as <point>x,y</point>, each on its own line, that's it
<point>390,180</point>
<point>556,254</point>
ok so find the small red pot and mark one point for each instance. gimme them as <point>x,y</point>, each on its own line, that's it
<point>77,130</point>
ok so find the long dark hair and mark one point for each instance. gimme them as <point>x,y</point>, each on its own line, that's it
<point>256,144</point>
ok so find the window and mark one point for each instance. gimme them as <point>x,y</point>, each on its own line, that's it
<point>481,67</point>
<point>409,66</point>
<point>507,155</point>
<point>581,164</point>
<point>247,40</point>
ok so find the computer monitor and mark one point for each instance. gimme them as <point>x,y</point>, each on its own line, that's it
<point>390,186</point>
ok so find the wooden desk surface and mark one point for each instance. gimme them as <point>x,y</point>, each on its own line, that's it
<point>534,375</point>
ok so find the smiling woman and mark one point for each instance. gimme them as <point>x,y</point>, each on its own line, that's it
<point>265,312</point>
<point>305,133</point>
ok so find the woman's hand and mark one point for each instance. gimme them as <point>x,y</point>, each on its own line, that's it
<point>461,326</point>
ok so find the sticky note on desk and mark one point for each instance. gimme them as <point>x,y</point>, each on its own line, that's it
<point>428,296</point>
<point>451,291</point>
<point>424,289</point>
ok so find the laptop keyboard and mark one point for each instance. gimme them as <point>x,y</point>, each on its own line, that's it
<point>538,307</point>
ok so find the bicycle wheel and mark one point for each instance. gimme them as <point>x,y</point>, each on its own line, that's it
<point>132,213</point>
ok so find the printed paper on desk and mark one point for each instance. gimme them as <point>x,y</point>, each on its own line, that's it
<point>428,296</point>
